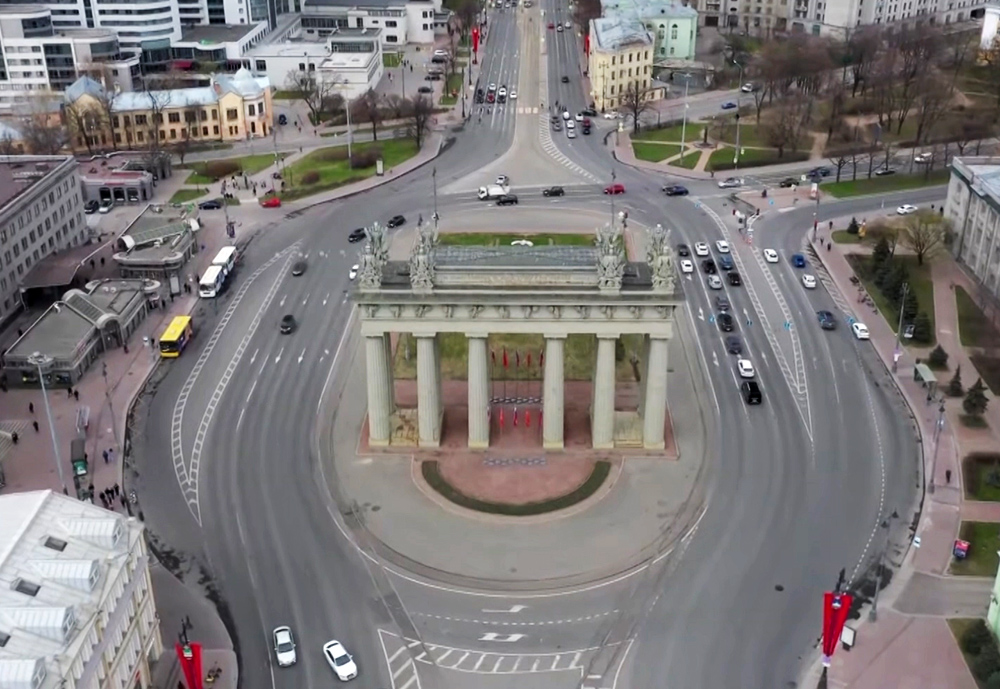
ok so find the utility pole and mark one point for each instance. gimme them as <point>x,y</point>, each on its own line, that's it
<point>899,328</point>
<point>612,195</point>
<point>111,408</point>
<point>938,428</point>
<point>434,177</point>
<point>687,105</point>
<point>43,363</point>
<point>739,93</point>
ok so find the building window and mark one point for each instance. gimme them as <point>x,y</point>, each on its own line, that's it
<point>232,114</point>
<point>302,66</point>
<point>173,133</point>
<point>215,130</point>
<point>673,32</point>
<point>204,131</point>
<point>261,65</point>
<point>26,587</point>
<point>251,110</point>
<point>174,117</point>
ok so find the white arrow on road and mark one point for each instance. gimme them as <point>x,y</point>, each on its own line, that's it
<point>325,352</point>
<point>513,609</point>
<point>305,300</point>
<point>254,357</point>
<point>715,358</point>
<point>302,355</point>
<point>282,302</point>
<point>326,298</point>
<point>701,314</point>
<point>278,358</point>
<point>504,638</point>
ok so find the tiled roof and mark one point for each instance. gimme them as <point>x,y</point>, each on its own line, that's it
<point>647,9</point>
<point>242,83</point>
<point>617,32</point>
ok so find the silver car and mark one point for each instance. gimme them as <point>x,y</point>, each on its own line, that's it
<point>284,646</point>
<point>714,282</point>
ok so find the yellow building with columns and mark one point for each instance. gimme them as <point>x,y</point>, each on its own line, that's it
<point>620,58</point>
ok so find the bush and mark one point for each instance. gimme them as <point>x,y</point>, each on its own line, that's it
<point>955,387</point>
<point>976,637</point>
<point>938,358</point>
<point>217,169</point>
<point>332,155</point>
<point>853,227</point>
<point>310,177</point>
<point>365,158</point>
<point>975,401</point>
<point>994,681</point>
<point>987,662</point>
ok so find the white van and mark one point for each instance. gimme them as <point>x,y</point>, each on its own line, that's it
<point>493,191</point>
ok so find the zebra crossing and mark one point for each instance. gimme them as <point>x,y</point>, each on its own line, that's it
<point>527,111</point>
<point>549,146</point>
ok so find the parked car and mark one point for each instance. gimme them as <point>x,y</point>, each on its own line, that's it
<point>211,205</point>
<point>91,207</point>
<point>271,202</point>
<point>729,105</point>
<point>106,206</point>
<point>860,330</point>
<point>885,171</point>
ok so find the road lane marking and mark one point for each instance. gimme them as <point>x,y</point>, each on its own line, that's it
<point>479,662</point>
<point>280,352</point>
<point>403,668</point>
<point>302,355</point>
<point>555,663</point>
<point>513,609</point>
<point>445,655</point>
<point>254,357</point>
<point>462,659</point>
<point>502,638</point>
<point>497,666</point>
<point>534,665</point>
<point>517,663</point>
<point>576,659</point>
<point>411,681</point>
<point>396,654</point>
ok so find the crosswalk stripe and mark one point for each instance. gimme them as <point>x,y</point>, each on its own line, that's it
<point>550,147</point>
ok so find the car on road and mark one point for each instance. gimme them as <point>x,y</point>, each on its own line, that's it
<point>554,191</point>
<point>565,115</point>
<point>729,105</point>
<point>429,89</point>
<point>708,265</point>
<point>106,206</point>
<point>731,183</point>
<point>557,126</point>
<point>570,132</point>
<point>284,646</point>
<point>271,202</point>
<point>722,303</point>
<point>339,660</point>
<point>551,26</point>
<point>923,158</point>
<point>299,268</point>
<point>356,235</point>
<point>827,321</point>
<point>770,255</point>
<point>809,281</point>
<point>687,266</point>
<point>734,278</point>
<point>751,392</point>
<point>734,345</point>
<point>616,188</point>
<point>578,117</point>
<point>722,246</point>
<point>353,273</point>
<point>675,190</point>
<point>275,175</point>
<point>91,207</point>
<point>282,119</point>
<point>726,322</point>
<point>798,260</point>
<point>502,94</point>
<point>288,324</point>
<point>396,221</point>
<point>714,282</point>
<point>565,79</point>
<point>559,28</point>
<point>860,330</point>
<point>745,368</point>
<point>683,250</point>
<point>726,262</point>
<point>586,128</point>
<point>570,124</point>
<point>906,209</point>
<point>513,94</point>
<point>568,25</point>
<point>502,180</point>
<point>820,172</point>
<point>210,205</point>
<point>507,200</point>
<point>788,182</point>
<point>701,249</point>
<point>589,112</point>
<point>885,171</point>
<point>748,88</point>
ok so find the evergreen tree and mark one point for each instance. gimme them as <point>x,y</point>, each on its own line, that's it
<point>910,307</point>
<point>975,400</point>
<point>955,387</point>
<point>881,252</point>
<point>938,358</point>
<point>922,328</point>
<point>853,227</point>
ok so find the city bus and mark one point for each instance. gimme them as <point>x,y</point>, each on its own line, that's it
<point>226,259</point>
<point>212,282</point>
<point>176,337</point>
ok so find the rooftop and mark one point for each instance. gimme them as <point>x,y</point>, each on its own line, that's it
<point>614,33</point>
<point>242,83</point>
<point>20,173</point>
<point>349,4</point>
<point>156,223</point>
<point>983,175</point>
<point>648,9</point>
<point>59,268</point>
<point>211,34</point>
<point>515,257</point>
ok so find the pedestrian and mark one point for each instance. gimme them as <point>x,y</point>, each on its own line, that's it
<point>947,476</point>
<point>171,297</point>
<point>111,454</point>
<point>125,347</point>
<point>31,407</point>
<point>14,437</point>
<point>152,343</point>
<point>69,392</point>
<point>76,395</point>
<point>117,490</point>
<point>90,489</point>
<point>123,501</point>
<point>35,424</point>
<point>105,454</point>
<point>829,246</point>
<point>104,501</point>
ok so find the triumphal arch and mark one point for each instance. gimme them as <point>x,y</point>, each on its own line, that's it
<point>554,291</point>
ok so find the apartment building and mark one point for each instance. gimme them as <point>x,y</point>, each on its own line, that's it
<point>38,58</point>
<point>41,212</point>
<point>673,25</point>
<point>229,109</point>
<point>973,208</point>
<point>76,599</point>
<point>620,58</point>
<point>400,21</point>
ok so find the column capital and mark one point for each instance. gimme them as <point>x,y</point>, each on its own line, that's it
<point>555,336</point>
<point>477,336</point>
<point>425,334</point>
<point>608,336</point>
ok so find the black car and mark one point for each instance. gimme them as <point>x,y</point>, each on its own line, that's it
<point>589,112</point>
<point>683,250</point>
<point>827,321</point>
<point>734,345</point>
<point>213,205</point>
<point>299,268</point>
<point>356,235</point>
<point>726,322</point>
<point>282,119</point>
<point>507,200</point>
<point>396,221</point>
<point>554,191</point>
<point>734,278</point>
<point>586,129</point>
<point>885,171</point>
<point>565,79</point>
<point>708,265</point>
<point>788,182</point>
<point>722,303</point>
<point>675,190</point>
<point>480,97</point>
<point>751,392</point>
<point>91,207</point>
<point>288,324</point>
<point>819,172</point>
<point>425,89</point>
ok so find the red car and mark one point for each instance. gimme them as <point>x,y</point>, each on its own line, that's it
<point>614,189</point>
<point>551,26</point>
<point>271,202</point>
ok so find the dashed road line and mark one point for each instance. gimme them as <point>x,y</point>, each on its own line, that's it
<point>506,623</point>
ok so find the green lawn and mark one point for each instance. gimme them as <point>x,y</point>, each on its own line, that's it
<point>722,159</point>
<point>688,160</point>
<point>989,368</point>
<point>654,152</point>
<point>671,133</point>
<point>454,85</point>
<point>982,561</point>
<point>750,135</point>
<point>284,94</point>
<point>920,284</point>
<point>977,470</point>
<point>195,179</point>
<point>185,195</point>
<point>975,329</point>
<point>334,168</point>
<point>251,164</point>
<point>878,185</point>
<point>505,238</point>
<point>845,237</point>
<point>391,59</point>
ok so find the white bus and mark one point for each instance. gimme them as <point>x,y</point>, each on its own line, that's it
<point>226,258</point>
<point>212,282</point>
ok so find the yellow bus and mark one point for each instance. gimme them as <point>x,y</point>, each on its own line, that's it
<point>176,337</point>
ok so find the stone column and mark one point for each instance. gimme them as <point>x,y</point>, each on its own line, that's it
<point>479,393</point>
<point>390,360</point>
<point>655,403</point>
<point>602,413</point>
<point>379,390</point>
<point>643,372</point>
<point>428,391</point>
<point>553,408</point>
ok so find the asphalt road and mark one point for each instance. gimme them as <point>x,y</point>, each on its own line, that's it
<point>798,486</point>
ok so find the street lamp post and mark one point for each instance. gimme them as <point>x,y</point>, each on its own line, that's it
<point>938,428</point>
<point>684,120</point>
<point>111,408</point>
<point>739,93</point>
<point>899,328</point>
<point>43,363</point>
<point>612,195</point>
<point>434,178</point>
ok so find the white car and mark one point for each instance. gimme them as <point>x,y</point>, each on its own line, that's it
<point>923,158</point>
<point>106,206</point>
<point>722,246</point>
<point>339,660</point>
<point>701,249</point>
<point>440,53</point>
<point>770,255</point>
<point>522,242</point>
<point>503,180</point>
<point>513,95</point>
<point>565,115</point>
<point>747,88</point>
<point>570,124</point>
<point>714,282</point>
<point>284,646</point>
<point>860,330</point>
<point>745,368</point>
<point>570,132</point>
<point>354,271</point>
<point>611,115</point>
<point>809,281</point>
<point>687,266</point>
<point>731,183</point>
<point>578,117</point>
<point>906,209</point>
<point>502,92</point>
<point>569,25</point>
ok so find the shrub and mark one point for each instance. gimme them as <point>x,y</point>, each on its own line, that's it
<point>310,177</point>
<point>853,227</point>
<point>994,681</point>
<point>217,169</point>
<point>938,358</point>
<point>987,662</point>
<point>975,401</point>
<point>332,155</point>
<point>976,637</point>
<point>366,158</point>
<point>955,387</point>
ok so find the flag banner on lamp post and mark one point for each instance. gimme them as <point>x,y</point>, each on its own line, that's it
<point>189,656</point>
<point>836,608</point>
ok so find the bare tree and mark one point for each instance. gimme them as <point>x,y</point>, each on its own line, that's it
<point>468,16</point>
<point>9,145</point>
<point>991,60</point>
<point>396,105</point>
<point>367,108</point>
<point>584,11</point>
<point>421,112</point>
<point>190,117</point>
<point>784,130</point>
<point>635,102</point>
<point>923,232</point>
<point>85,121</point>
<point>313,90</point>
<point>916,52</point>
<point>847,154</point>
<point>40,133</point>
<point>863,47</point>
<point>879,229</point>
<point>972,126</point>
<point>932,102</point>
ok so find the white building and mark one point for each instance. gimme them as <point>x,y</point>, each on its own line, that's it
<point>973,208</point>
<point>351,58</point>
<point>401,21</point>
<point>76,602</point>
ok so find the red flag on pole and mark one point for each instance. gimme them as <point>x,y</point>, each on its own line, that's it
<point>515,417</point>
<point>517,359</point>
<point>527,418</point>
<point>836,608</point>
<point>529,360</point>
<point>501,417</point>
<point>505,357</point>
